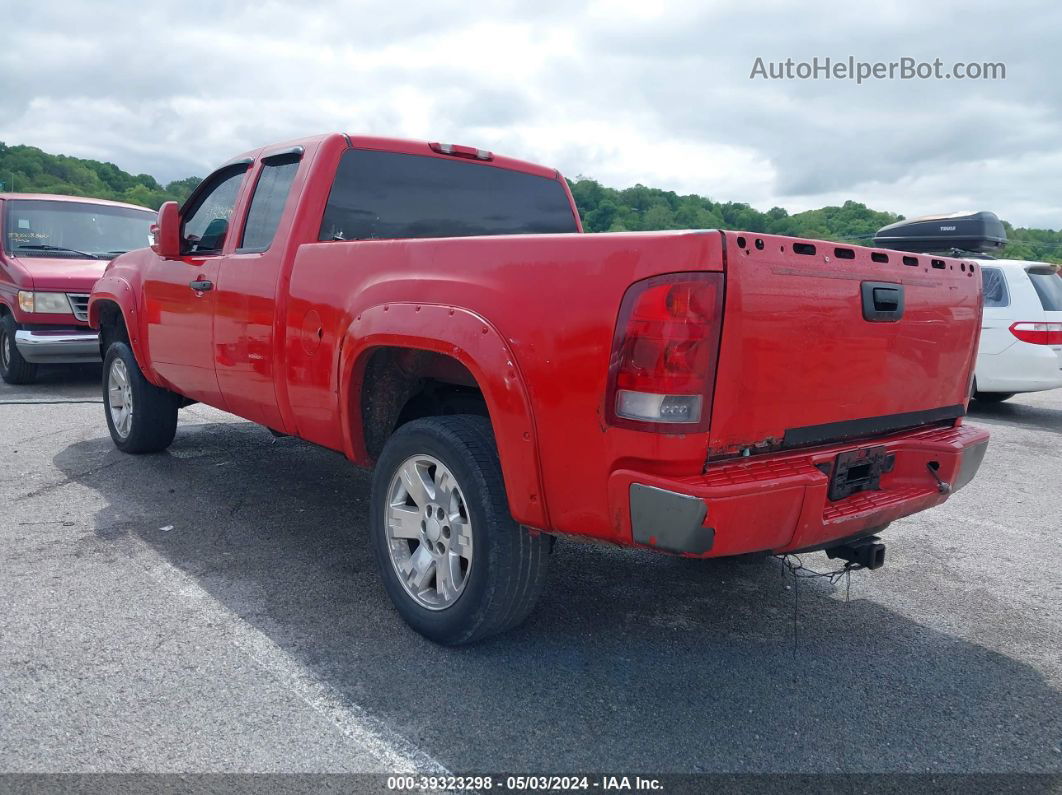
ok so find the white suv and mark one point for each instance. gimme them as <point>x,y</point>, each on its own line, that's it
<point>1021,334</point>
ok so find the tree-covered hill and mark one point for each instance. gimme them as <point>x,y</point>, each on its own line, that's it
<point>27,169</point>
<point>643,209</point>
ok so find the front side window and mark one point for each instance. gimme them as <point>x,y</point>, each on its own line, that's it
<point>75,230</point>
<point>267,204</point>
<point>994,284</point>
<point>1048,286</point>
<point>386,195</point>
<point>206,220</point>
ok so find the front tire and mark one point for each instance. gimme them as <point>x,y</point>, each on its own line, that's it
<point>13,368</point>
<point>141,417</point>
<point>456,565</point>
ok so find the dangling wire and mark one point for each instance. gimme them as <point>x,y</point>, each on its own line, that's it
<point>793,565</point>
<point>798,569</point>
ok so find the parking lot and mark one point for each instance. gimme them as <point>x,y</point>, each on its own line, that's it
<point>216,608</point>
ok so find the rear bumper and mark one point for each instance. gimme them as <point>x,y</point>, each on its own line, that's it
<point>58,347</point>
<point>1023,367</point>
<point>780,503</point>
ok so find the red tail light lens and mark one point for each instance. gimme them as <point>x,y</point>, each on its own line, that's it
<point>1038,333</point>
<point>662,370</point>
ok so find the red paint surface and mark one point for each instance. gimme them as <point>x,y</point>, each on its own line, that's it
<point>284,338</point>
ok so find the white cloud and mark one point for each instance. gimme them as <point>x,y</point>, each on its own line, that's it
<point>625,92</point>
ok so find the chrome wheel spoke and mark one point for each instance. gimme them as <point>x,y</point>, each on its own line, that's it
<point>421,568</point>
<point>120,397</point>
<point>418,484</point>
<point>445,581</point>
<point>404,521</point>
<point>444,486</point>
<point>461,539</point>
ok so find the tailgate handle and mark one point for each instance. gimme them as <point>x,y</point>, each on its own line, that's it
<point>886,299</point>
<point>882,302</point>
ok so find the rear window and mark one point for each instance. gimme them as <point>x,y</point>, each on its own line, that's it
<point>385,195</point>
<point>995,287</point>
<point>1048,286</point>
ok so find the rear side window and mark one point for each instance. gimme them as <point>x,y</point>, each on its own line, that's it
<point>995,287</point>
<point>1048,286</point>
<point>385,195</point>
<point>267,204</point>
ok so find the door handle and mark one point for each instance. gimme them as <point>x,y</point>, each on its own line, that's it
<point>201,285</point>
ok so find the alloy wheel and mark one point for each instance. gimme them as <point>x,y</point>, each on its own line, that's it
<point>429,533</point>
<point>120,397</point>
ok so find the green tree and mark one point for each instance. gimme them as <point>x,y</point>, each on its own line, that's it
<point>605,209</point>
<point>27,169</point>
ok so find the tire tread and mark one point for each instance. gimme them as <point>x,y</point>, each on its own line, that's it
<point>19,371</point>
<point>154,409</point>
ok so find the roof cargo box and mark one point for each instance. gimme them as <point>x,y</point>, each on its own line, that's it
<point>963,231</point>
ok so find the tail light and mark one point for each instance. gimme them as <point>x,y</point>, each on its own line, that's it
<point>1038,333</point>
<point>662,370</point>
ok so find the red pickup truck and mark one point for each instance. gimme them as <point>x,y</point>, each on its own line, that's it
<point>433,311</point>
<point>54,248</point>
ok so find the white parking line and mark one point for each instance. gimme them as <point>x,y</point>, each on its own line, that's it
<point>395,753</point>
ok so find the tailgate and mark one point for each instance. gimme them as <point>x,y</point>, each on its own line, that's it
<point>823,342</point>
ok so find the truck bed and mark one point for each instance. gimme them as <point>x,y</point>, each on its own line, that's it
<point>796,355</point>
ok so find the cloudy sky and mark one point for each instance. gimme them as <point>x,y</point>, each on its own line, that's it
<point>624,92</point>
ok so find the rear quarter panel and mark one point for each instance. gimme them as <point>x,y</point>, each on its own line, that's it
<point>553,301</point>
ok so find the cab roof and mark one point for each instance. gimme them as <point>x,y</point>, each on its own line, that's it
<point>401,146</point>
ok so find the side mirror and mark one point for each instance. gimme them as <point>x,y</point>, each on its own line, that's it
<point>166,232</point>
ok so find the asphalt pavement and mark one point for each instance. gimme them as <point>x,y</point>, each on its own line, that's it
<point>215,608</point>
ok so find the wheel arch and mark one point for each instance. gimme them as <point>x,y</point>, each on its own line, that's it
<point>112,311</point>
<point>391,349</point>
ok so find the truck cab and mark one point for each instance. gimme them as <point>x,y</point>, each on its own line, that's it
<point>53,250</point>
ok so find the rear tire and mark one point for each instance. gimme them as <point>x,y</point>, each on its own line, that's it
<point>13,368</point>
<point>437,496</point>
<point>141,417</point>
<point>993,397</point>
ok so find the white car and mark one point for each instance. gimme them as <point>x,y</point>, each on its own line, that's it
<point>1021,334</point>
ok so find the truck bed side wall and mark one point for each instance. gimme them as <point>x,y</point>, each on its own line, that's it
<point>550,304</point>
